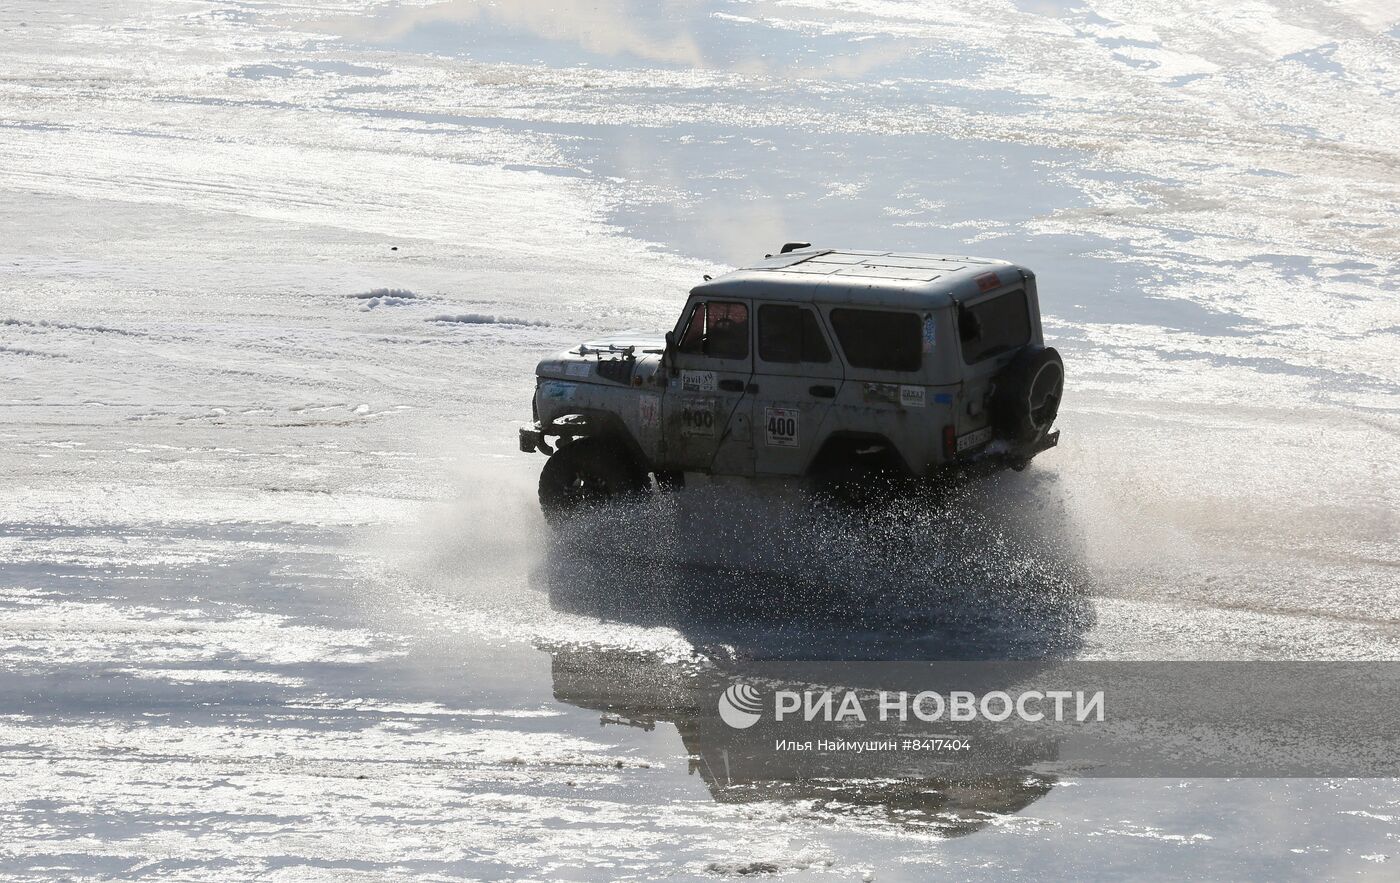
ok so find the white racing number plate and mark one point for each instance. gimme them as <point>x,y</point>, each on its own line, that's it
<point>780,427</point>
<point>698,417</point>
<point>974,439</point>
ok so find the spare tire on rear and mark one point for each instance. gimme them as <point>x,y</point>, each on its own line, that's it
<point>1027,396</point>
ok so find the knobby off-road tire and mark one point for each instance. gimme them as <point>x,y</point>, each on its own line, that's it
<point>854,487</point>
<point>846,479</point>
<point>1028,393</point>
<point>586,474</point>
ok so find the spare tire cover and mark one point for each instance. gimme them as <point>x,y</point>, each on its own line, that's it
<point>1027,396</point>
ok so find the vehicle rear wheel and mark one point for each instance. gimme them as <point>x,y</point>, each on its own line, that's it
<point>670,480</point>
<point>1028,393</point>
<point>860,474</point>
<point>858,487</point>
<point>584,474</point>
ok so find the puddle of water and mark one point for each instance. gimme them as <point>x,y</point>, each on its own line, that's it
<point>751,38</point>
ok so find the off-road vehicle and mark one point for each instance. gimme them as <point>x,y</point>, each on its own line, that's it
<point>838,365</point>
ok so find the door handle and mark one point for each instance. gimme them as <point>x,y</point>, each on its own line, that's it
<point>732,385</point>
<point>822,391</point>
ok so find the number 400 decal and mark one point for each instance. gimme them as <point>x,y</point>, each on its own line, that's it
<point>780,427</point>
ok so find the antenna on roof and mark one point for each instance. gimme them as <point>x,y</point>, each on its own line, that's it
<point>794,246</point>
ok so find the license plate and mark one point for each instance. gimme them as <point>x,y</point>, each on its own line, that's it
<point>974,439</point>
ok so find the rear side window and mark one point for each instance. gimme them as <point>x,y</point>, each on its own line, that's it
<point>879,340</point>
<point>994,326</point>
<point>718,329</point>
<point>791,335</point>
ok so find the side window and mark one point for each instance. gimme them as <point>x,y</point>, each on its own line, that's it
<point>879,340</point>
<point>790,334</point>
<point>994,326</point>
<point>718,329</point>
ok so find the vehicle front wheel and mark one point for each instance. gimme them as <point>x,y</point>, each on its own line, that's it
<point>584,474</point>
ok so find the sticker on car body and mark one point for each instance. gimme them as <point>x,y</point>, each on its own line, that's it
<point>698,417</point>
<point>880,392</point>
<point>578,369</point>
<point>698,381</point>
<point>649,411</point>
<point>555,390</point>
<point>911,396</point>
<point>780,427</point>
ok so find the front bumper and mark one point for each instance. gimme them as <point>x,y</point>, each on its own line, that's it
<point>532,439</point>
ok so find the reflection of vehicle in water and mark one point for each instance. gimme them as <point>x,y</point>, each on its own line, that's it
<point>844,366</point>
<point>632,689</point>
<point>745,578</point>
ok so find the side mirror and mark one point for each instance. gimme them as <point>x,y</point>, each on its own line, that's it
<point>668,359</point>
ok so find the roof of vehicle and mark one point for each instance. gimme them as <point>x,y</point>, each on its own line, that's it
<point>868,278</point>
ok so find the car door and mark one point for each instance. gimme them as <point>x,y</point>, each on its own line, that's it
<point>796,378</point>
<point>992,328</point>
<point>886,394</point>
<point>707,428</point>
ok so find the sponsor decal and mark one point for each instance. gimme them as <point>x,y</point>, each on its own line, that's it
<point>943,398</point>
<point>987,281</point>
<point>780,427</point>
<point>556,390</point>
<point>578,369</point>
<point>930,332</point>
<point>880,392</point>
<point>649,411</point>
<point>911,396</point>
<point>698,381</point>
<point>698,417</point>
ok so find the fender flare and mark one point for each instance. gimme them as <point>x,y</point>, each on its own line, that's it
<point>841,443</point>
<point>596,423</point>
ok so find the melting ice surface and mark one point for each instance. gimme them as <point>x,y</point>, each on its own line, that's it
<point>275,285</point>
